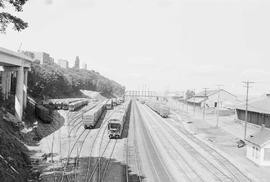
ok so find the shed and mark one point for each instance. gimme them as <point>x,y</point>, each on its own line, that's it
<point>258,111</point>
<point>258,147</point>
<point>212,97</point>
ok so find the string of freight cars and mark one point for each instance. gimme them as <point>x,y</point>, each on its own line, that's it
<point>95,139</point>
<point>126,107</point>
<point>160,108</point>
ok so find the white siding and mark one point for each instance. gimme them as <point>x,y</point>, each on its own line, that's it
<point>256,154</point>
<point>226,99</point>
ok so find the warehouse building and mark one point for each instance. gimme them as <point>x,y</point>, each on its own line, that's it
<point>211,98</point>
<point>258,147</point>
<point>258,111</point>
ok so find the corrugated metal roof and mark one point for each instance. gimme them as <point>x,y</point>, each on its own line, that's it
<point>211,92</point>
<point>261,105</point>
<point>260,138</point>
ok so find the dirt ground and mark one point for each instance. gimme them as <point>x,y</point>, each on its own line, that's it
<point>223,137</point>
<point>77,151</point>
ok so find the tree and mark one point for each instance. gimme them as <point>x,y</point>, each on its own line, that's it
<point>7,18</point>
<point>189,94</point>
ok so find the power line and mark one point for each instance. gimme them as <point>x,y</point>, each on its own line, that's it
<point>205,92</point>
<point>218,103</point>
<point>247,85</point>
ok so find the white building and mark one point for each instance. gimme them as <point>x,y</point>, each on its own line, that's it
<point>41,57</point>
<point>84,66</point>
<point>212,97</point>
<point>258,147</point>
<point>63,63</point>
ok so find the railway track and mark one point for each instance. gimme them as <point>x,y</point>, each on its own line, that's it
<point>107,163</point>
<point>85,133</point>
<point>131,148</point>
<point>236,174</point>
<point>190,174</point>
<point>87,178</point>
<point>159,169</point>
<point>232,172</point>
<point>77,117</point>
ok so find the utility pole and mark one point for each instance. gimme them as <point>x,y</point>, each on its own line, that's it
<point>194,102</point>
<point>218,103</point>
<point>205,91</point>
<point>247,85</point>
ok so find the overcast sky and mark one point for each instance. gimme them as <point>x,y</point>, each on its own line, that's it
<point>164,44</point>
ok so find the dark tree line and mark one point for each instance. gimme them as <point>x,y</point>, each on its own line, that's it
<point>53,81</point>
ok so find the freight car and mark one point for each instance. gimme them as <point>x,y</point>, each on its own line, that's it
<point>91,117</point>
<point>65,105</point>
<point>75,105</point>
<point>44,113</point>
<point>117,121</point>
<point>114,100</point>
<point>109,104</point>
<point>160,108</point>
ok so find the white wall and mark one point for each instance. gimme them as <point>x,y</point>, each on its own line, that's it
<point>253,155</point>
<point>225,99</point>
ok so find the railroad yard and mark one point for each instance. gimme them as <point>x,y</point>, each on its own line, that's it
<point>154,146</point>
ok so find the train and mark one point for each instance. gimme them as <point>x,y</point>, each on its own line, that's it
<point>59,104</point>
<point>43,113</point>
<point>91,117</point>
<point>160,108</point>
<point>117,120</point>
<point>75,105</point>
<point>114,101</point>
<point>109,104</point>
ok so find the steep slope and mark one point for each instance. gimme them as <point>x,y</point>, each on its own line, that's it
<point>55,82</point>
<point>14,160</point>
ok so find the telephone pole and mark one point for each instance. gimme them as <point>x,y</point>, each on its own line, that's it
<point>218,104</point>
<point>247,85</point>
<point>205,91</point>
<point>194,102</point>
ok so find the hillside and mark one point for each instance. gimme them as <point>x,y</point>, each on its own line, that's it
<point>52,81</point>
<point>14,159</point>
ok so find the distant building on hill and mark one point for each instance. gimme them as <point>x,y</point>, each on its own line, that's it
<point>84,66</point>
<point>40,57</point>
<point>77,63</point>
<point>63,63</point>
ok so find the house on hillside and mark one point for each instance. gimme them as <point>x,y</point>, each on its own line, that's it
<point>258,111</point>
<point>211,98</point>
<point>258,147</point>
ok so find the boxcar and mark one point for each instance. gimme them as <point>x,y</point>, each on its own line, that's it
<point>109,104</point>
<point>91,117</point>
<point>43,113</point>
